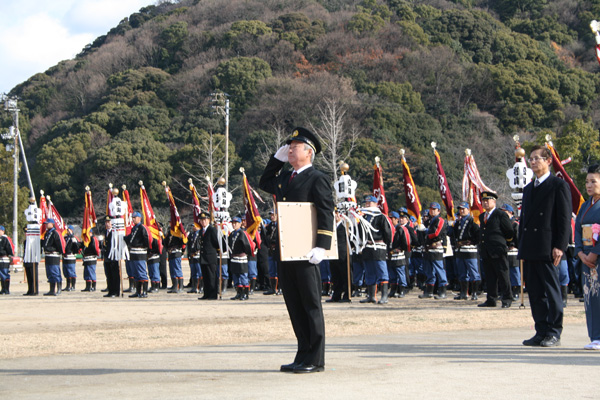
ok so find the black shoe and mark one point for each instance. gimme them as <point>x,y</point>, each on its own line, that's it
<point>550,341</point>
<point>534,341</point>
<point>506,303</point>
<point>487,303</point>
<point>307,369</point>
<point>332,300</point>
<point>288,367</point>
<point>110,295</point>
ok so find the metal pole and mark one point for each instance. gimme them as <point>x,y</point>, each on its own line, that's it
<point>16,192</point>
<point>25,164</point>
<point>227,144</point>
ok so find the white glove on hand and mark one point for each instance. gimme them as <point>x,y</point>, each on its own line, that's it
<point>421,227</point>
<point>282,153</point>
<point>316,255</point>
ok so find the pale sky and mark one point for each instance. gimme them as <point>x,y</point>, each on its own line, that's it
<point>37,34</point>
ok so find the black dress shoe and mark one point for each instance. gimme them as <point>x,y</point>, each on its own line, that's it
<point>307,368</point>
<point>550,341</point>
<point>487,303</point>
<point>288,367</point>
<point>534,341</point>
<point>506,304</point>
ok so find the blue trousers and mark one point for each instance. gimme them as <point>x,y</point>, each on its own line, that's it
<point>240,280</point>
<point>69,269</point>
<point>154,270</point>
<point>175,268</point>
<point>224,271</point>
<point>434,269</point>
<point>252,269</point>
<point>89,272</point>
<point>325,271</point>
<point>358,272</point>
<point>272,267</point>
<point>375,272</point>
<point>467,269</point>
<point>515,276</point>
<point>129,269</point>
<point>398,275</point>
<point>139,270</point>
<point>415,266</point>
<point>53,271</point>
<point>563,273</point>
<point>195,268</point>
<point>5,272</point>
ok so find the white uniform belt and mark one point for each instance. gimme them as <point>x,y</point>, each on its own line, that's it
<point>398,256</point>
<point>53,254</point>
<point>137,250</point>
<point>90,258</point>
<point>378,245</point>
<point>436,250</point>
<point>243,259</point>
<point>69,257</point>
<point>513,252</point>
<point>175,251</point>
<point>154,257</point>
<point>4,259</point>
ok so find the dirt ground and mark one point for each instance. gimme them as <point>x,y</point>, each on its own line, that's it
<point>81,322</point>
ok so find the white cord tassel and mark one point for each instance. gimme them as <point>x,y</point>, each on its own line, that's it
<point>33,248</point>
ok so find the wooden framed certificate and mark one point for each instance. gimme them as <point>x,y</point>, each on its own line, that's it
<point>586,235</point>
<point>297,225</point>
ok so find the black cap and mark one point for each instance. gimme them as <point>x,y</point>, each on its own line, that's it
<point>107,218</point>
<point>305,136</point>
<point>204,216</point>
<point>489,195</point>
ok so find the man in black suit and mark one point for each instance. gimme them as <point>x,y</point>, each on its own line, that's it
<point>543,238</point>
<point>301,280</point>
<point>495,230</point>
<point>209,243</point>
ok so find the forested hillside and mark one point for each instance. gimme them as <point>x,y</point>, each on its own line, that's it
<point>136,104</point>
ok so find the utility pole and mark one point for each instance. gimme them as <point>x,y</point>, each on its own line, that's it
<point>219,99</point>
<point>10,105</point>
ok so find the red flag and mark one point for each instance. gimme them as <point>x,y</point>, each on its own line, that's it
<point>413,204</point>
<point>576,197</point>
<point>444,188</point>
<point>197,208</point>
<point>44,209</point>
<point>378,191</point>
<point>109,197</point>
<point>150,218</point>
<point>59,224</point>
<point>89,219</point>
<point>598,52</point>
<point>128,217</point>
<point>253,218</point>
<point>177,228</point>
<point>473,186</point>
<point>211,204</point>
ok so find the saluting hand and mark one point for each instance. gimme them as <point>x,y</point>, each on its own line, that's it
<point>282,153</point>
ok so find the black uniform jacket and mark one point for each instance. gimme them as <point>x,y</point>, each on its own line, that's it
<point>494,234</point>
<point>545,221</point>
<point>308,186</point>
<point>209,245</point>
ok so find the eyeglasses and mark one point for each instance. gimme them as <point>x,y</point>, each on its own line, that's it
<point>536,159</point>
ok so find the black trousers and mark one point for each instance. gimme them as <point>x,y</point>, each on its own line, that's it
<point>113,280</point>
<point>543,288</point>
<point>210,279</point>
<point>31,271</point>
<point>301,286</point>
<point>339,276</point>
<point>496,276</point>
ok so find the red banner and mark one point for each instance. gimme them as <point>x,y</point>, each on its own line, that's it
<point>176,226</point>
<point>473,186</point>
<point>89,219</point>
<point>150,218</point>
<point>576,197</point>
<point>197,208</point>
<point>44,208</point>
<point>211,204</point>
<point>413,204</point>
<point>109,197</point>
<point>444,188</point>
<point>378,191</point>
<point>128,217</point>
<point>253,218</point>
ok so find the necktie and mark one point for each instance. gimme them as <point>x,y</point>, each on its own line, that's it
<point>536,183</point>
<point>292,177</point>
<point>486,217</point>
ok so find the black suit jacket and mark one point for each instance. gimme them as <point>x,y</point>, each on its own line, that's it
<point>545,219</point>
<point>209,243</point>
<point>494,233</point>
<point>308,186</point>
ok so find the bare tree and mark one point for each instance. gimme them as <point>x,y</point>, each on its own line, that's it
<point>338,140</point>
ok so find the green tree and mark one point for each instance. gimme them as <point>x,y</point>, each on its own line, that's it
<point>6,195</point>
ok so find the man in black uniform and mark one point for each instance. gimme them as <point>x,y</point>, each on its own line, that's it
<point>301,280</point>
<point>111,267</point>
<point>339,267</point>
<point>544,233</point>
<point>496,230</point>
<point>466,237</point>
<point>139,242</point>
<point>6,252</point>
<point>209,262</point>
<point>514,270</point>
<point>53,250</point>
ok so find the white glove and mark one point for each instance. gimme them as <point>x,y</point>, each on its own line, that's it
<point>421,227</point>
<point>282,153</point>
<point>316,255</point>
